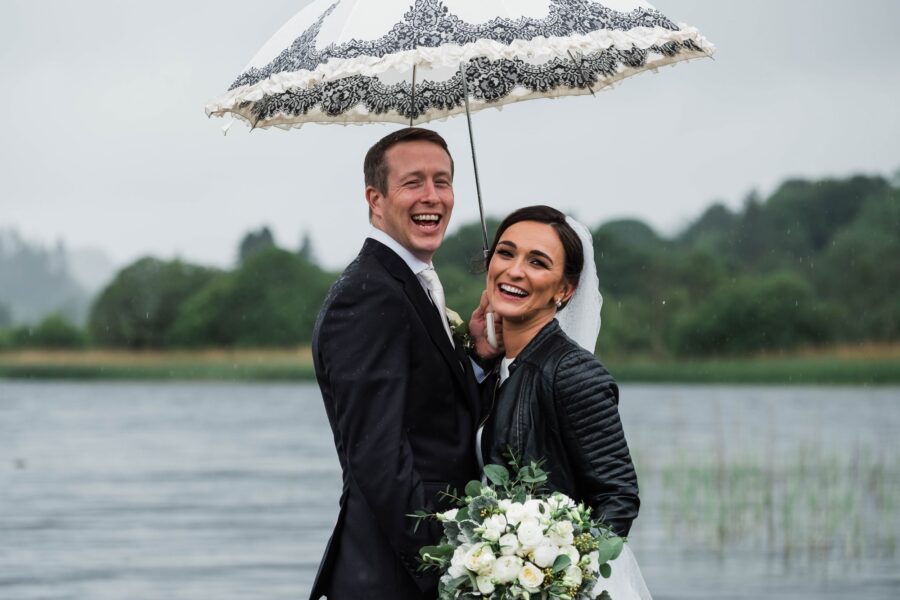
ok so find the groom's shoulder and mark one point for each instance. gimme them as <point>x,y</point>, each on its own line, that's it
<point>366,276</point>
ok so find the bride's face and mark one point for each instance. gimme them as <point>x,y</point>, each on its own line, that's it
<point>526,273</point>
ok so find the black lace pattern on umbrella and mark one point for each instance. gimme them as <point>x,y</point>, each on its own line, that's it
<point>488,80</point>
<point>429,24</point>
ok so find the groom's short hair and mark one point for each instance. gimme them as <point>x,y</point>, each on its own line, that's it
<point>375,167</point>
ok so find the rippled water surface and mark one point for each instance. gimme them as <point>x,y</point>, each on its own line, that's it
<point>176,491</point>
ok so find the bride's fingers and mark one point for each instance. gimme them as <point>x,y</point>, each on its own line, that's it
<point>484,304</point>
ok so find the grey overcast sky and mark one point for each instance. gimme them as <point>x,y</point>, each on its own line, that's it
<point>104,142</point>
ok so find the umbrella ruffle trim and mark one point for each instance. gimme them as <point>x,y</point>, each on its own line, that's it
<point>538,50</point>
<point>348,105</point>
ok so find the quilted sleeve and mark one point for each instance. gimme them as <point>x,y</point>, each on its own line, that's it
<point>586,398</point>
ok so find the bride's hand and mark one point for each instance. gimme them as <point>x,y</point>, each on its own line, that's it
<point>478,331</point>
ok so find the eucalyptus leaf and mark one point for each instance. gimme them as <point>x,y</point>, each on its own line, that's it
<point>606,549</point>
<point>437,551</point>
<point>473,488</point>
<point>561,563</point>
<point>454,584</point>
<point>605,571</point>
<point>497,474</point>
<point>618,545</point>
<point>432,550</point>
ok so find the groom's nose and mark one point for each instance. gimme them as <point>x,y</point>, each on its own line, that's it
<point>429,192</point>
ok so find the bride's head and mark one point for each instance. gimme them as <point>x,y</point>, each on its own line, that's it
<point>533,265</point>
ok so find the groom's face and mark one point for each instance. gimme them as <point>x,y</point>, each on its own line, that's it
<point>415,208</point>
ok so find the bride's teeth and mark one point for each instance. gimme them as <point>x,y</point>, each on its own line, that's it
<point>512,290</point>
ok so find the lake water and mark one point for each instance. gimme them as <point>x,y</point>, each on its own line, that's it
<point>177,491</point>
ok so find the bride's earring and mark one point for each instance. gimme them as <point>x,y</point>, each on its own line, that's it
<point>558,304</point>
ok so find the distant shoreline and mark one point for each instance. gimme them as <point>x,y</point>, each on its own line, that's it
<point>869,365</point>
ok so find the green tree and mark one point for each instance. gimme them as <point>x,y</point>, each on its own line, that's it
<point>140,305</point>
<point>753,314</point>
<point>254,242</point>
<point>55,331</point>
<point>271,300</point>
<point>860,271</point>
<point>306,251</point>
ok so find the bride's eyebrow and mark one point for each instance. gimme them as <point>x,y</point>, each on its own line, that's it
<point>542,254</point>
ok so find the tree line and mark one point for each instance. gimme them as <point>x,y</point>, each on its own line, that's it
<point>816,263</point>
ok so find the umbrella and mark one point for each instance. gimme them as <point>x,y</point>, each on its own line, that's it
<point>353,61</point>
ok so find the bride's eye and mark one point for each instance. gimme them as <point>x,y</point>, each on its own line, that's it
<point>504,253</point>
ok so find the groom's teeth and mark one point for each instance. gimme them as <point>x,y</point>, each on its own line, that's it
<point>513,290</point>
<point>424,218</point>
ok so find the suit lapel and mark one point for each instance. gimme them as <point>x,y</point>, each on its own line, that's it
<point>426,310</point>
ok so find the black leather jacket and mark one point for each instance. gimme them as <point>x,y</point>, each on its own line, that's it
<point>561,405</point>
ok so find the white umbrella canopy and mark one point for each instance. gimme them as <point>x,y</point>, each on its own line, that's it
<point>351,61</point>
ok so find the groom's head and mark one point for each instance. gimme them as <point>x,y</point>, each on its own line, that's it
<point>409,188</point>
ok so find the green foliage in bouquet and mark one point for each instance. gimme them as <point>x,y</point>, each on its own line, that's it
<point>512,539</point>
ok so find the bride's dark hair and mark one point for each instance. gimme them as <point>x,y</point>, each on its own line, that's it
<point>571,243</point>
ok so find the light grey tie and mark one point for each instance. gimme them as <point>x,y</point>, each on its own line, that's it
<point>436,290</point>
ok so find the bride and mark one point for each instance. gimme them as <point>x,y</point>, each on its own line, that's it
<point>550,398</point>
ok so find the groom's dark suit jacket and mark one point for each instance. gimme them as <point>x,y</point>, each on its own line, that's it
<point>402,406</point>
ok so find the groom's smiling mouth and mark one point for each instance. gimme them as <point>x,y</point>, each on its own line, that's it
<point>427,221</point>
<point>511,291</point>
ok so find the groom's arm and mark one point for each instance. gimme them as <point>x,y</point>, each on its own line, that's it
<point>365,344</point>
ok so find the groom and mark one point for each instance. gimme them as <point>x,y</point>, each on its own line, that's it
<point>399,391</point>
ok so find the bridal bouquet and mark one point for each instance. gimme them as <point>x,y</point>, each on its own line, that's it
<point>509,541</point>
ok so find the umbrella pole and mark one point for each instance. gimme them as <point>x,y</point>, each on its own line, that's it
<point>412,97</point>
<point>484,236</point>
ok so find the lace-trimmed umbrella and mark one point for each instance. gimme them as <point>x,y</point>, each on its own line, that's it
<point>353,61</point>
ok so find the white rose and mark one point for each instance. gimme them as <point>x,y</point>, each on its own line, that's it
<point>506,569</point>
<point>545,554</point>
<point>559,501</point>
<point>485,584</point>
<point>456,571</point>
<point>530,577</point>
<point>458,561</point>
<point>480,559</point>
<point>449,515</point>
<point>561,533</point>
<point>572,553</point>
<point>509,544</point>
<point>515,512</point>
<point>530,533</point>
<point>533,509</point>
<point>493,527</point>
<point>572,576</point>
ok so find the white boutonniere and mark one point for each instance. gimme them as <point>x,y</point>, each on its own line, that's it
<point>458,327</point>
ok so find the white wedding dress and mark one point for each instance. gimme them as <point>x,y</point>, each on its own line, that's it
<point>626,581</point>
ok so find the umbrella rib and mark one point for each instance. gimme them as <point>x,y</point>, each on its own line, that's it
<point>580,66</point>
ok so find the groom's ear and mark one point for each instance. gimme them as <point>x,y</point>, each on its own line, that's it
<point>373,199</point>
